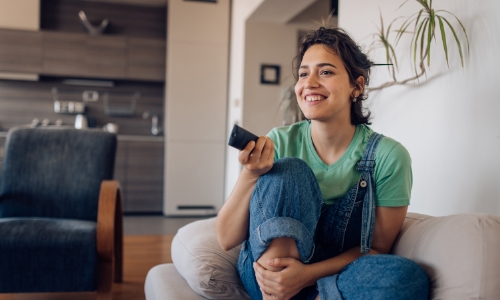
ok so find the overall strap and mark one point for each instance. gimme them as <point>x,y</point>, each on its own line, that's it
<point>367,162</point>
<point>366,166</point>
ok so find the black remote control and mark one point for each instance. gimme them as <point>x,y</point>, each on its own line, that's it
<point>240,137</point>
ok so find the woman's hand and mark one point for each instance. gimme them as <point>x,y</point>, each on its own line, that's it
<point>283,284</point>
<point>257,158</point>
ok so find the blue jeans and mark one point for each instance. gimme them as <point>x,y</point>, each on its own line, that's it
<point>287,202</point>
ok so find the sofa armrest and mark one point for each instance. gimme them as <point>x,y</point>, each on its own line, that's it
<point>208,270</point>
<point>458,252</point>
<point>110,235</point>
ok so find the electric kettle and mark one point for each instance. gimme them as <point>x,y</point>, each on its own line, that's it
<point>81,122</point>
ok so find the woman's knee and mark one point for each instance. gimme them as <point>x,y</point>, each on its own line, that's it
<point>288,186</point>
<point>290,169</point>
<point>279,247</point>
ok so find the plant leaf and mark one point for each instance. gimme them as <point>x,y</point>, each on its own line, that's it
<point>443,37</point>
<point>416,43</point>
<point>463,28</point>
<point>389,30</point>
<point>387,58</point>
<point>424,4</point>
<point>422,40</point>
<point>403,28</point>
<point>394,55</point>
<point>418,17</point>
<point>402,4</point>
<point>433,13</point>
<point>430,33</point>
<point>381,21</point>
<point>457,40</point>
<point>387,53</point>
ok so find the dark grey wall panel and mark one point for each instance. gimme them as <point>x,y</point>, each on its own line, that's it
<point>130,20</point>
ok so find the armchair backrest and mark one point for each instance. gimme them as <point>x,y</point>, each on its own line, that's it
<point>55,172</point>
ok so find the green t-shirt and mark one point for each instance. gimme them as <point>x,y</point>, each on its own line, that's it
<point>393,176</point>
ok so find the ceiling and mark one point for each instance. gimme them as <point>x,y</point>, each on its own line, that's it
<point>280,11</point>
<point>158,3</point>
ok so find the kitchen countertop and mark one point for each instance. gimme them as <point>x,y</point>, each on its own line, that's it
<point>143,138</point>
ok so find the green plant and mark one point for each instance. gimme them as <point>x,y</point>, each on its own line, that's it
<point>426,21</point>
<point>382,38</point>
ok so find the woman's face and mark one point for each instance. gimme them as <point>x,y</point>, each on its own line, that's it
<point>323,89</point>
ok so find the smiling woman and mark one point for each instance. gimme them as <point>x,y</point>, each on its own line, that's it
<point>316,197</point>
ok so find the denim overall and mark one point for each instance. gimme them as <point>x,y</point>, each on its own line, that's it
<point>287,202</point>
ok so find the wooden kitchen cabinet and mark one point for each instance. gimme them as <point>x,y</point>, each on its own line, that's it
<point>20,51</point>
<point>63,54</point>
<point>75,54</point>
<point>146,59</point>
<point>81,55</point>
<point>139,168</point>
<point>105,56</point>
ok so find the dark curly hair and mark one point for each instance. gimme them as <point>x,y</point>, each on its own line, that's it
<point>355,62</point>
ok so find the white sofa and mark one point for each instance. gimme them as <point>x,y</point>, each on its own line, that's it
<point>460,253</point>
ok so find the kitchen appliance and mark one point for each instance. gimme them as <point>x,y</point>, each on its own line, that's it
<point>81,122</point>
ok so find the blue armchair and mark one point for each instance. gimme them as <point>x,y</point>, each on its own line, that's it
<point>60,212</point>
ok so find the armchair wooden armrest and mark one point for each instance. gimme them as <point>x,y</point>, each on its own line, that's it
<point>109,237</point>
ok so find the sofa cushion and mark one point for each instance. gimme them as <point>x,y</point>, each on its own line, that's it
<point>209,270</point>
<point>460,253</point>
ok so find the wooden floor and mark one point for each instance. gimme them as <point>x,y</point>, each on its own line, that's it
<point>141,253</point>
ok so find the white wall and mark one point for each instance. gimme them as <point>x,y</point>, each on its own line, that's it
<point>274,44</point>
<point>240,12</point>
<point>449,123</point>
<point>20,14</point>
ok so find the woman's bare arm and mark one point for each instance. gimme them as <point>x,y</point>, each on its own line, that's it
<point>233,218</point>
